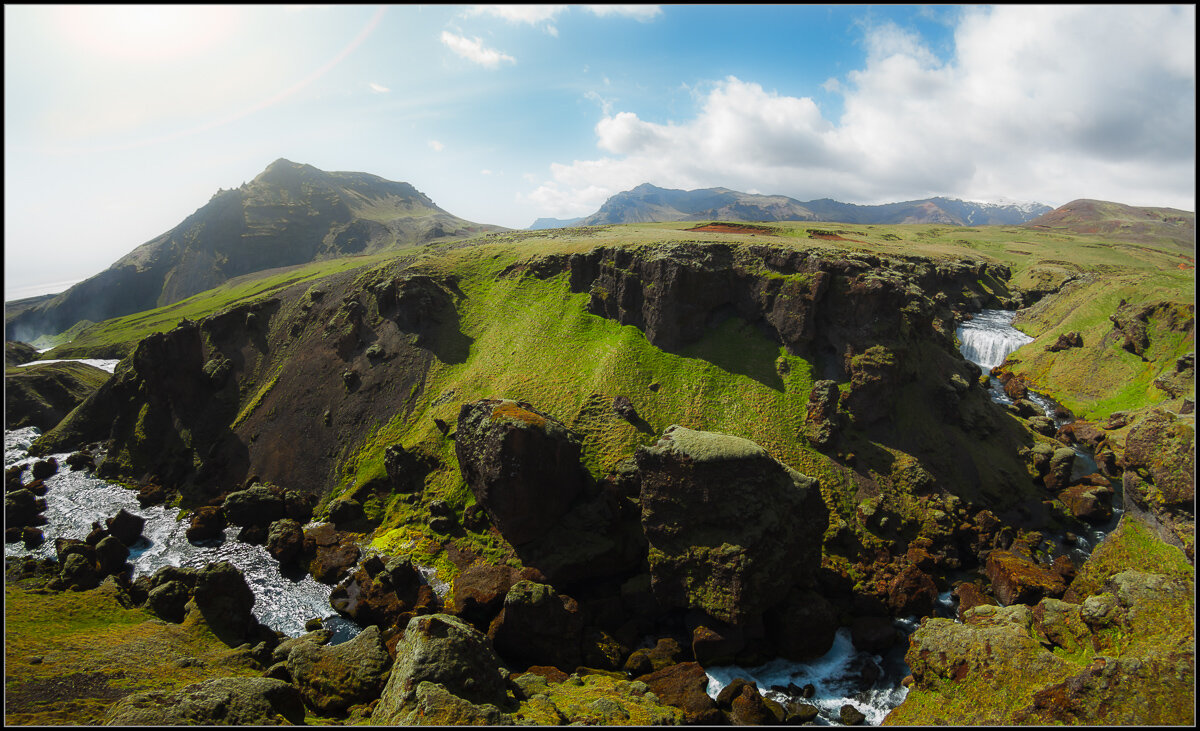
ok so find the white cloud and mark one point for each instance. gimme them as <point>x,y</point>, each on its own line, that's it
<point>1035,103</point>
<point>436,146</point>
<point>530,14</point>
<point>637,12</point>
<point>473,50</point>
<point>378,88</point>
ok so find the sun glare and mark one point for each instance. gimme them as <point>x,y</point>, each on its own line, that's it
<point>146,32</point>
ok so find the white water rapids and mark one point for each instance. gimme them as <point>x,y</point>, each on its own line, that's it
<point>75,499</point>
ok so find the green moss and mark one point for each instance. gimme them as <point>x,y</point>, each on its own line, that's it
<point>74,684</point>
<point>1132,545</point>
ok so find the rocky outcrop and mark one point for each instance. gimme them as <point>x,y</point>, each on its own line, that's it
<point>445,673</point>
<point>522,466</point>
<point>333,678</point>
<point>1124,656</point>
<point>1134,324</point>
<point>730,529</point>
<point>1160,474</point>
<point>218,702</point>
<point>538,626</point>
<point>1180,380</point>
<point>385,591</point>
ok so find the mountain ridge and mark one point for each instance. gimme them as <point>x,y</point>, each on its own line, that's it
<point>648,203</point>
<point>291,213</point>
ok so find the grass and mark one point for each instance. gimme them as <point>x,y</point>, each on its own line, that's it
<point>72,683</point>
<point>118,336</point>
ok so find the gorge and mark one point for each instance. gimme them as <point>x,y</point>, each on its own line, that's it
<point>617,468</point>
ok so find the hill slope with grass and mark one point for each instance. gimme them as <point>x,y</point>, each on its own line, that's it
<point>289,214</point>
<point>1130,224</point>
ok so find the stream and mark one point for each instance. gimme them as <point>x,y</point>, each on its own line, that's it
<point>75,499</point>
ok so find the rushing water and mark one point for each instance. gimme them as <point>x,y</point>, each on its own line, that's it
<point>75,499</point>
<point>987,340</point>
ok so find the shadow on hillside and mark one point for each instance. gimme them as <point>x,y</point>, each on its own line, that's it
<point>739,347</point>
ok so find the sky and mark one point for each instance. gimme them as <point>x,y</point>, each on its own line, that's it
<point>120,121</point>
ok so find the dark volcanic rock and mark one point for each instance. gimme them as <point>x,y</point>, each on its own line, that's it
<point>521,464</point>
<point>538,626</point>
<point>225,601</point>
<point>685,686</point>
<point>207,523</point>
<point>730,528</point>
<point>256,505</point>
<point>384,591</point>
<point>822,422</point>
<point>333,553</point>
<point>285,540</point>
<point>1066,340</point>
<point>1017,579</point>
<point>125,527</point>
<point>441,655</point>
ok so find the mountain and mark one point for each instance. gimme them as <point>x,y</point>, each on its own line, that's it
<point>647,203</point>
<point>553,223</point>
<point>1131,223</point>
<point>289,214</point>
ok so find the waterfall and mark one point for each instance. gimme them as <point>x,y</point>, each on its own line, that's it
<point>989,338</point>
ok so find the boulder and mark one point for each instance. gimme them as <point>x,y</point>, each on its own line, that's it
<point>44,468</point>
<point>207,523</point>
<point>333,678</point>
<point>22,508</point>
<point>1018,579</point>
<point>730,529</point>
<point>875,635</point>
<point>1066,340</point>
<point>442,658</point>
<point>1088,502</point>
<point>125,527</point>
<point>285,540</point>
<point>221,701</point>
<point>225,600</point>
<point>478,593</point>
<point>1058,476</point>
<point>522,466</point>
<point>685,686</point>
<point>538,626</point>
<point>912,593</point>
<point>333,554</point>
<point>256,505</point>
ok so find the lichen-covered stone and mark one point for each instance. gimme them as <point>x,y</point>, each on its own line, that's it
<point>444,651</point>
<point>730,528</point>
<point>332,679</point>
<point>222,701</point>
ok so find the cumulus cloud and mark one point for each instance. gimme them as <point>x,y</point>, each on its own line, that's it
<point>473,50</point>
<point>1034,103</point>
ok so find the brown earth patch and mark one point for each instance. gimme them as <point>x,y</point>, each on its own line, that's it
<point>34,695</point>
<point>734,228</point>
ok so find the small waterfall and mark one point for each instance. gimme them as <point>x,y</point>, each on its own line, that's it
<point>989,338</point>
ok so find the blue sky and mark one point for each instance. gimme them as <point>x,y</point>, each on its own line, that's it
<point>121,121</point>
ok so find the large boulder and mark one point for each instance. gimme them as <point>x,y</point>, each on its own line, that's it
<point>333,678</point>
<point>538,626</point>
<point>685,686</point>
<point>221,701</point>
<point>730,529</point>
<point>1018,579</point>
<point>442,662</point>
<point>225,600</point>
<point>522,465</point>
<point>256,505</point>
<point>1162,447</point>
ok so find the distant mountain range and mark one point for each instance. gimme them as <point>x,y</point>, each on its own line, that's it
<point>289,214</point>
<point>648,203</point>
<point>1130,223</point>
